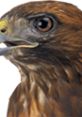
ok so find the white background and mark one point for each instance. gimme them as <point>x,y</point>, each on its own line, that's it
<point>9,75</point>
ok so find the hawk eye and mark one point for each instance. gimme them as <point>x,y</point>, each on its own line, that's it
<point>43,24</point>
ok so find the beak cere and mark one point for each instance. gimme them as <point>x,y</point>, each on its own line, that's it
<point>3,25</point>
<point>3,28</point>
<point>14,42</point>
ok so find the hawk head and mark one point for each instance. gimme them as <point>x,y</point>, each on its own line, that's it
<point>45,39</point>
<point>48,31</point>
<point>42,28</point>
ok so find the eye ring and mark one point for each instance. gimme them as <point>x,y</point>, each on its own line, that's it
<point>43,24</point>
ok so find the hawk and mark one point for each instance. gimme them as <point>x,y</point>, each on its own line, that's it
<point>44,41</point>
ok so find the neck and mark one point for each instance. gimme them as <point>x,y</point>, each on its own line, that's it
<point>37,75</point>
<point>44,83</point>
<point>41,74</point>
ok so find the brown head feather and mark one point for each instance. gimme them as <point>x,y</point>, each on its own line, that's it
<point>66,13</point>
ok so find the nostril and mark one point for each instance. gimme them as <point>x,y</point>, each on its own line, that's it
<point>3,25</point>
<point>3,30</point>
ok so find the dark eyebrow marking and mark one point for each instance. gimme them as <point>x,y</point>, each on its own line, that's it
<point>40,14</point>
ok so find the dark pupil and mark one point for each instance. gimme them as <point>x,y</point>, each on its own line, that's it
<point>43,23</point>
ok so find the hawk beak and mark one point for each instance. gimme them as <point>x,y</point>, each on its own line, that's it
<point>15,41</point>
